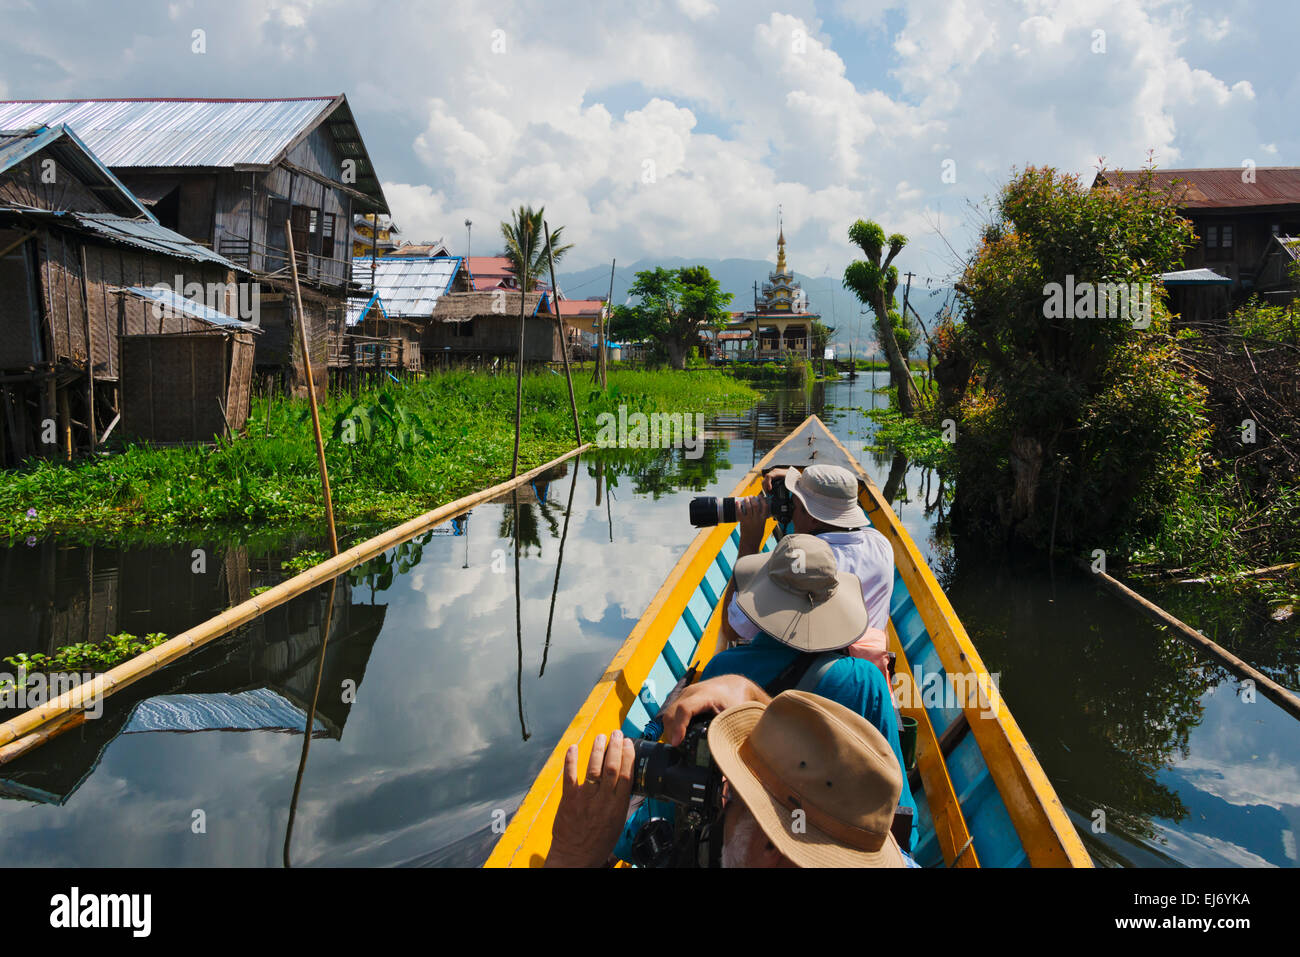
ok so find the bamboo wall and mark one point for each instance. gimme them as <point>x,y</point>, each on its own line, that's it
<point>494,335</point>
<point>73,302</point>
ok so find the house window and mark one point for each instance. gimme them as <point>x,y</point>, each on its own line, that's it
<point>301,220</point>
<point>327,236</point>
<point>1218,242</point>
<point>463,330</point>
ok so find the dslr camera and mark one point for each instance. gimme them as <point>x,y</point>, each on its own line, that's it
<point>707,510</point>
<point>687,777</point>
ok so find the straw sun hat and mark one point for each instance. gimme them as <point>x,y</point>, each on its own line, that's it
<point>820,780</point>
<point>797,594</point>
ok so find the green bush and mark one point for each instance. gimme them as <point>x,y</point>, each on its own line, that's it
<point>1088,423</point>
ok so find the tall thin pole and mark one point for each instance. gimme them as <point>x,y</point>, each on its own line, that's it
<point>564,339</point>
<point>311,392</point>
<point>609,304</point>
<point>525,227</point>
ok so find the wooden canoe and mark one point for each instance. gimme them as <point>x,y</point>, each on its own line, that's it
<point>982,797</point>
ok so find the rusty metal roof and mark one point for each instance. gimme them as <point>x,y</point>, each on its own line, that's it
<point>1219,188</point>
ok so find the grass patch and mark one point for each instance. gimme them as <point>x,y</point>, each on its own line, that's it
<point>423,443</point>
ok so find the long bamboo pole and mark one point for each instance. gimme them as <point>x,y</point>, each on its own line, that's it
<point>524,248</point>
<point>311,392</point>
<point>32,728</point>
<point>564,339</point>
<point>1282,697</point>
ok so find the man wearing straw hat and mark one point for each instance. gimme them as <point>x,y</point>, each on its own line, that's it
<point>810,783</point>
<point>806,612</point>
<point>825,505</point>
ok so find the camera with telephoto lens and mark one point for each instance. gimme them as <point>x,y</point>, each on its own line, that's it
<point>687,777</point>
<point>707,511</point>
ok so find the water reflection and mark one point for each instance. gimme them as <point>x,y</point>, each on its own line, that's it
<point>264,677</point>
<point>458,711</point>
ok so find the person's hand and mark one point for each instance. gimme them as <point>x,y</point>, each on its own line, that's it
<point>751,513</point>
<point>770,476</point>
<point>707,697</point>
<point>591,814</point>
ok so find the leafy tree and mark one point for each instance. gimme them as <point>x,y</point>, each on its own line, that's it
<point>874,282</point>
<point>821,337</point>
<point>674,306</point>
<point>525,245</point>
<point>1074,425</point>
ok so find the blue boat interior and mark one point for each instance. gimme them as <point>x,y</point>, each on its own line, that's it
<point>993,835</point>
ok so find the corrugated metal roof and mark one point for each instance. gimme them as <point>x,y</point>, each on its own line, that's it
<point>1194,277</point>
<point>143,233</point>
<point>72,154</point>
<point>152,236</point>
<point>409,286</point>
<point>359,306</point>
<point>174,303</point>
<point>146,133</point>
<point>1219,188</point>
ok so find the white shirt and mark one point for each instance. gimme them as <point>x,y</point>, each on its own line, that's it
<point>867,554</point>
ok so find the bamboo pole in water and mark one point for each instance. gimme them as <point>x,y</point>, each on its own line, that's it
<point>1282,697</point>
<point>32,728</point>
<point>564,339</point>
<point>311,391</point>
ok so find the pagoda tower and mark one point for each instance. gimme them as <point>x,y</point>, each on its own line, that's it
<point>780,293</point>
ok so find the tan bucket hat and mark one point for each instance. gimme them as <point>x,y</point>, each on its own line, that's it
<point>829,493</point>
<point>803,753</point>
<point>797,594</point>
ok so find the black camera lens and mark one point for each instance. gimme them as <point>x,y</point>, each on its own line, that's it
<point>707,511</point>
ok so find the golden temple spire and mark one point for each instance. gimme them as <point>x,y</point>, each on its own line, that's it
<point>780,251</point>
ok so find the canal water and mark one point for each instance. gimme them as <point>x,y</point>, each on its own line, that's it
<point>454,663</point>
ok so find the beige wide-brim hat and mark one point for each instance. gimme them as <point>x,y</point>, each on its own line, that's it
<point>820,780</point>
<point>797,594</point>
<point>829,493</point>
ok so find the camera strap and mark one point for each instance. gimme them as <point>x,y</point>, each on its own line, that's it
<point>804,673</point>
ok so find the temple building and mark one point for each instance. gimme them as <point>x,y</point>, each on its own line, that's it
<point>780,324</point>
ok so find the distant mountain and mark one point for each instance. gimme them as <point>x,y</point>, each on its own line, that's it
<point>826,294</point>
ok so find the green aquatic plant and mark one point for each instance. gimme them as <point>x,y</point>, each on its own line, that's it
<point>303,561</point>
<point>87,655</point>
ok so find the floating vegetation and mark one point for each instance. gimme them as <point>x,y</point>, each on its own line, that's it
<point>86,655</point>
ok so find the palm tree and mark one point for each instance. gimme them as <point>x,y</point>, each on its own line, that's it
<point>526,245</point>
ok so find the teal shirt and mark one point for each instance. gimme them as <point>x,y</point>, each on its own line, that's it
<point>853,682</point>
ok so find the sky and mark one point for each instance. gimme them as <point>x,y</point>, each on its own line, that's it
<point>686,127</point>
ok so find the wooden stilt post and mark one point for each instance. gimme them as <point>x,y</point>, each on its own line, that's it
<point>311,392</point>
<point>564,338</point>
<point>90,357</point>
